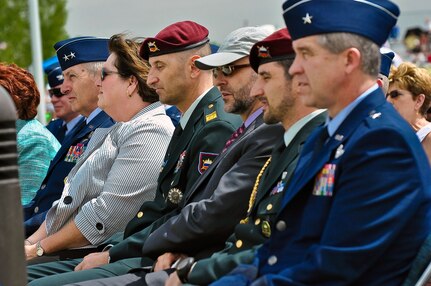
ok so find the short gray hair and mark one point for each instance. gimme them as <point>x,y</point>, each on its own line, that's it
<point>370,53</point>
<point>93,67</point>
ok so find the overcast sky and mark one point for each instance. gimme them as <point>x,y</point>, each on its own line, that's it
<point>145,18</point>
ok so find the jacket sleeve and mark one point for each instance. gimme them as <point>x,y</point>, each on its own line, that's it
<point>210,269</point>
<point>208,222</point>
<point>126,186</point>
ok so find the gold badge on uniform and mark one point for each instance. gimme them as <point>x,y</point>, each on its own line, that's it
<point>175,196</point>
<point>266,229</point>
<point>211,116</point>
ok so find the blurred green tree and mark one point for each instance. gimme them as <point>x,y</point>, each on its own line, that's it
<point>15,29</point>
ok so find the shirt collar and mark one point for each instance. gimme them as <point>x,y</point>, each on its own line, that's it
<point>72,123</point>
<point>186,115</point>
<point>93,114</point>
<point>294,129</point>
<point>335,122</point>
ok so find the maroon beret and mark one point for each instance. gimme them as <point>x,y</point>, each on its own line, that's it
<point>275,47</point>
<point>174,38</point>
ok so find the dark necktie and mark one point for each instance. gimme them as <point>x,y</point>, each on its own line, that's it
<point>61,132</point>
<point>322,139</point>
<point>234,136</point>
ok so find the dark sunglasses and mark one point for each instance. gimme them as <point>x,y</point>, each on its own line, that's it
<point>228,70</point>
<point>104,73</point>
<point>55,92</point>
<point>393,94</point>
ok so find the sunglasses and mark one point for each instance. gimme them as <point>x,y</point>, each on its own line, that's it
<point>228,70</point>
<point>104,73</point>
<point>55,92</point>
<point>393,94</point>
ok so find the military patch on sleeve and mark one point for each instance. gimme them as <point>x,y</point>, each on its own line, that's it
<point>205,160</point>
<point>211,116</point>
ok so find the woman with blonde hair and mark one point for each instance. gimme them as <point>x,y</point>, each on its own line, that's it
<point>410,93</point>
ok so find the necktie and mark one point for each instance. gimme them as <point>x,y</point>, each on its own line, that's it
<point>322,139</point>
<point>61,133</point>
<point>178,131</point>
<point>234,136</point>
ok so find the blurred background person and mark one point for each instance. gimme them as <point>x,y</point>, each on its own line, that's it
<point>36,145</point>
<point>65,118</point>
<point>385,67</point>
<point>410,93</point>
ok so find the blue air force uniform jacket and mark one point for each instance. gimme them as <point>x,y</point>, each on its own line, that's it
<point>358,208</point>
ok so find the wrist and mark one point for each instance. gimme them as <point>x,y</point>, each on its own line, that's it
<point>39,249</point>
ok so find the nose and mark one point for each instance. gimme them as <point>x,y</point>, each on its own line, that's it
<point>257,89</point>
<point>296,67</point>
<point>98,81</point>
<point>152,79</point>
<point>65,87</point>
<point>54,99</point>
<point>220,79</point>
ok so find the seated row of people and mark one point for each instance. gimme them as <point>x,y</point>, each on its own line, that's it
<point>304,200</point>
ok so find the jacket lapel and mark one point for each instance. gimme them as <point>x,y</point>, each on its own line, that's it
<point>179,144</point>
<point>289,154</point>
<point>313,163</point>
<point>219,158</point>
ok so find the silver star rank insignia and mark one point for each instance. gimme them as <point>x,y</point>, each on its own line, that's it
<point>307,19</point>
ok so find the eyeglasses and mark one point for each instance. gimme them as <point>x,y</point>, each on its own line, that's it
<point>55,92</point>
<point>105,73</point>
<point>393,94</point>
<point>228,70</point>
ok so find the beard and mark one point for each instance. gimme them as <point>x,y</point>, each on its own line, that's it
<point>242,101</point>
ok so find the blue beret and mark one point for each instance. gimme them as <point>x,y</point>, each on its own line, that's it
<point>372,19</point>
<point>55,74</point>
<point>386,62</point>
<point>79,50</point>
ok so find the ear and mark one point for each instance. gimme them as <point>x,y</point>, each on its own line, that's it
<point>352,59</point>
<point>132,84</point>
<point>419,101</point>
<point>380,82</point>
<point>194,71</point>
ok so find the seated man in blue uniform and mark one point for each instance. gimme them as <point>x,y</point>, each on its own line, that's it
<point>84,54</point>
<point>359,203</point>
<point>66,118</point>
